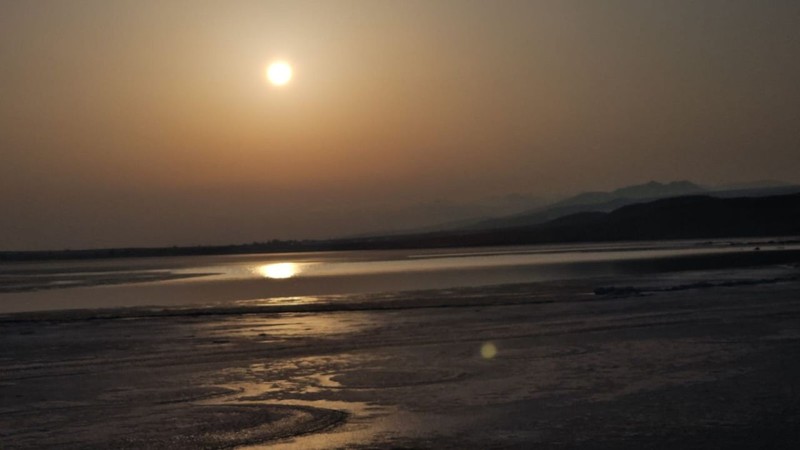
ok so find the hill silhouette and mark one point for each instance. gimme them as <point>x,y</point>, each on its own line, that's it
<point>610,201</point>
<point>689,217</point>
<point>594,201</point>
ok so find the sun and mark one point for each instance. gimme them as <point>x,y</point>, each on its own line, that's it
<point>279,73</point>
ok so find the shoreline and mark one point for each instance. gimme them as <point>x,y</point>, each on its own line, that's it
<point>203,285</point>
<point>364,244</point>
<point>491,295</point>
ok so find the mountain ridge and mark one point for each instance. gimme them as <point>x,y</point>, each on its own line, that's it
<point>627,195</point>
<point>687,217</point>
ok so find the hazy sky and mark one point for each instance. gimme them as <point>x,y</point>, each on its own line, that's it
<point>151,123</point>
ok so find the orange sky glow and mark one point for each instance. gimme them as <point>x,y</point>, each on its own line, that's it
<point>132,123</point>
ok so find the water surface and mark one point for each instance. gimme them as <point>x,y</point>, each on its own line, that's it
<point>212,280</point>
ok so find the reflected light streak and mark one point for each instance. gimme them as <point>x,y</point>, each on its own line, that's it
<point>278,271</point>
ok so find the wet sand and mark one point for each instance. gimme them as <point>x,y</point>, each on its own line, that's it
<point>712,363</point>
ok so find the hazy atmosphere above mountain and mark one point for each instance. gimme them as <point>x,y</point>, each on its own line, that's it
<point>151,123</point>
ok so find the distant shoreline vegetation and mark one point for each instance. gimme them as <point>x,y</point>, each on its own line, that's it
<point>690,217</point>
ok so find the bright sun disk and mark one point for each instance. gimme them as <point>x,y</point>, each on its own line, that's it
<point>279,73</point>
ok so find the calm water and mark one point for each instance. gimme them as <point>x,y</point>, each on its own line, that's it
<point>110,283</point>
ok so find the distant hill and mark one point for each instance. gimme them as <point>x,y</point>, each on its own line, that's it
<point>609,201</point>
<point>685,218</point>
<point>650,191</point>
<point>748,185</point>
<point>757,192</point>
<point>690,217</point>
<point>593,201</point>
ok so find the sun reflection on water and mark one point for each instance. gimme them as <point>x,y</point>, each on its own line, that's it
<point>278,271</point>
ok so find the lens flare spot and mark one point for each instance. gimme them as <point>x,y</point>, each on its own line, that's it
<point>488,350</point>
<point>278,271</point>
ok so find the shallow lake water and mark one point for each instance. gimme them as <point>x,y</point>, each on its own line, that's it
<point>635,346</point>
<point>213,280</point>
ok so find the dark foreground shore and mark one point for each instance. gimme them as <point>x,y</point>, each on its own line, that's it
<point>690,360</point>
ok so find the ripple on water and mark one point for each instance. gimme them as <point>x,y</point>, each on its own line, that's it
<point>376,379</point>
<point>227,426</point>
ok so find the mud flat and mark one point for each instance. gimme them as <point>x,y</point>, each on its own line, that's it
<point>703,359</point>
